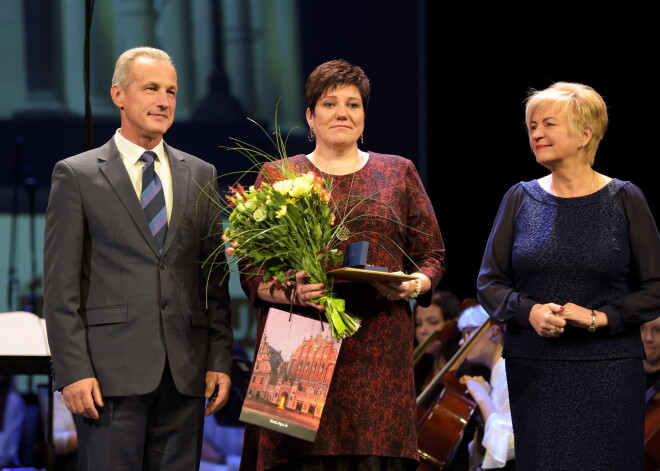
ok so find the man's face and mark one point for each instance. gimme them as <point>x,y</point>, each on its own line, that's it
<point>149,102</point>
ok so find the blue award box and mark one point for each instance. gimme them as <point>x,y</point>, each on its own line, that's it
<point>355,256</point>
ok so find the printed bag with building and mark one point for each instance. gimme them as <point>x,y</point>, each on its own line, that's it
<point>293,368</point>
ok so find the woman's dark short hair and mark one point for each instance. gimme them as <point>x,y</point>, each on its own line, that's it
<point>329,75</point>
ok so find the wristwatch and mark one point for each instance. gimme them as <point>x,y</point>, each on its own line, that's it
<point>592,326</point>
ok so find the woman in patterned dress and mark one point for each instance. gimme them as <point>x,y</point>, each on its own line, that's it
<point>572,265</point>
<point>369,418</point>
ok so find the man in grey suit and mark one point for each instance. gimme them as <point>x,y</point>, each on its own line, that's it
<point>139,329</point>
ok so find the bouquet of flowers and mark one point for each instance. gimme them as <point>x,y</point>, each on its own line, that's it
<point>287,225</point>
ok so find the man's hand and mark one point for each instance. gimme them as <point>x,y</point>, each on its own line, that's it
<point>82,396</point>
<point>217,391</point>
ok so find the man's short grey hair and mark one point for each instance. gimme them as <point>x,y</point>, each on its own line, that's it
<point>121,76</point>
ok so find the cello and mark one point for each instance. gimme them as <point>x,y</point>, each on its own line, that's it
<point>652,429</point>
<point>444,408</point>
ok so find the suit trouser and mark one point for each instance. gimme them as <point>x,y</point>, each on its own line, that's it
<point>161,430</point>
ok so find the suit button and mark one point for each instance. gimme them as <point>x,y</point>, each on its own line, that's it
<point>163,266</point>
<point>163,306</point>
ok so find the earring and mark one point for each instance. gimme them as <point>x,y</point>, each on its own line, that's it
<point>310,135</point>
<point>362,138</point>
<point>580,147</point>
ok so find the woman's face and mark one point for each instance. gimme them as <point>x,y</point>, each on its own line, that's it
<point>338,118</point>
<point>427,320</point>
<point>550,137</point>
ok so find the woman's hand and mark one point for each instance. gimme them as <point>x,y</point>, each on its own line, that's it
<point>297,292</point>
<point>546,319</point>
<point>579,316</point>
<point>304,292</point>
<point>402,290</point>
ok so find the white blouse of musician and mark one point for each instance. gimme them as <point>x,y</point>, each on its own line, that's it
<point>498,430</point>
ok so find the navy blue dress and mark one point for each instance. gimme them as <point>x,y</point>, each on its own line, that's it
<point>577,400</point>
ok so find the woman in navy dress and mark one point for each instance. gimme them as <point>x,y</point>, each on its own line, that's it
<point>572,265</point>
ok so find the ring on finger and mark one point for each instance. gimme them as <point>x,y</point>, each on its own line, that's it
<point>553,331</point>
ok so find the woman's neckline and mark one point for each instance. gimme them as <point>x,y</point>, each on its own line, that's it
<point>599,178</point>
<point>543,192</point>
<point>363,159</point>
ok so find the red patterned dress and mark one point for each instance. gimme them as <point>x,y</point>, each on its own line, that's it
<point>370,407</point>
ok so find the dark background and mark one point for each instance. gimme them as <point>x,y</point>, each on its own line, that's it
<point>448,85</point>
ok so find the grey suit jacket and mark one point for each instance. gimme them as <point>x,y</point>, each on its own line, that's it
<point>117,310</point>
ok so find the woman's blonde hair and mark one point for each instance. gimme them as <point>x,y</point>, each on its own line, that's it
<point>582,106</point>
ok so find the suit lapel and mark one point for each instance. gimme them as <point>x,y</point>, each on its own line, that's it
<point>180,181</point>
<point>112,166</point>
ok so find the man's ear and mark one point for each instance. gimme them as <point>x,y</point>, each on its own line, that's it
<point>117,95</point>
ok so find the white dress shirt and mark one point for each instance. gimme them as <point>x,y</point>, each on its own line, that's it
<point>131,155</point>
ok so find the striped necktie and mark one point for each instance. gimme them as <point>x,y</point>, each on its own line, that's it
<point>153,200</point>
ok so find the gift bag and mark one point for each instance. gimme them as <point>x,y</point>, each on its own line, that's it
<point>291,375</point>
